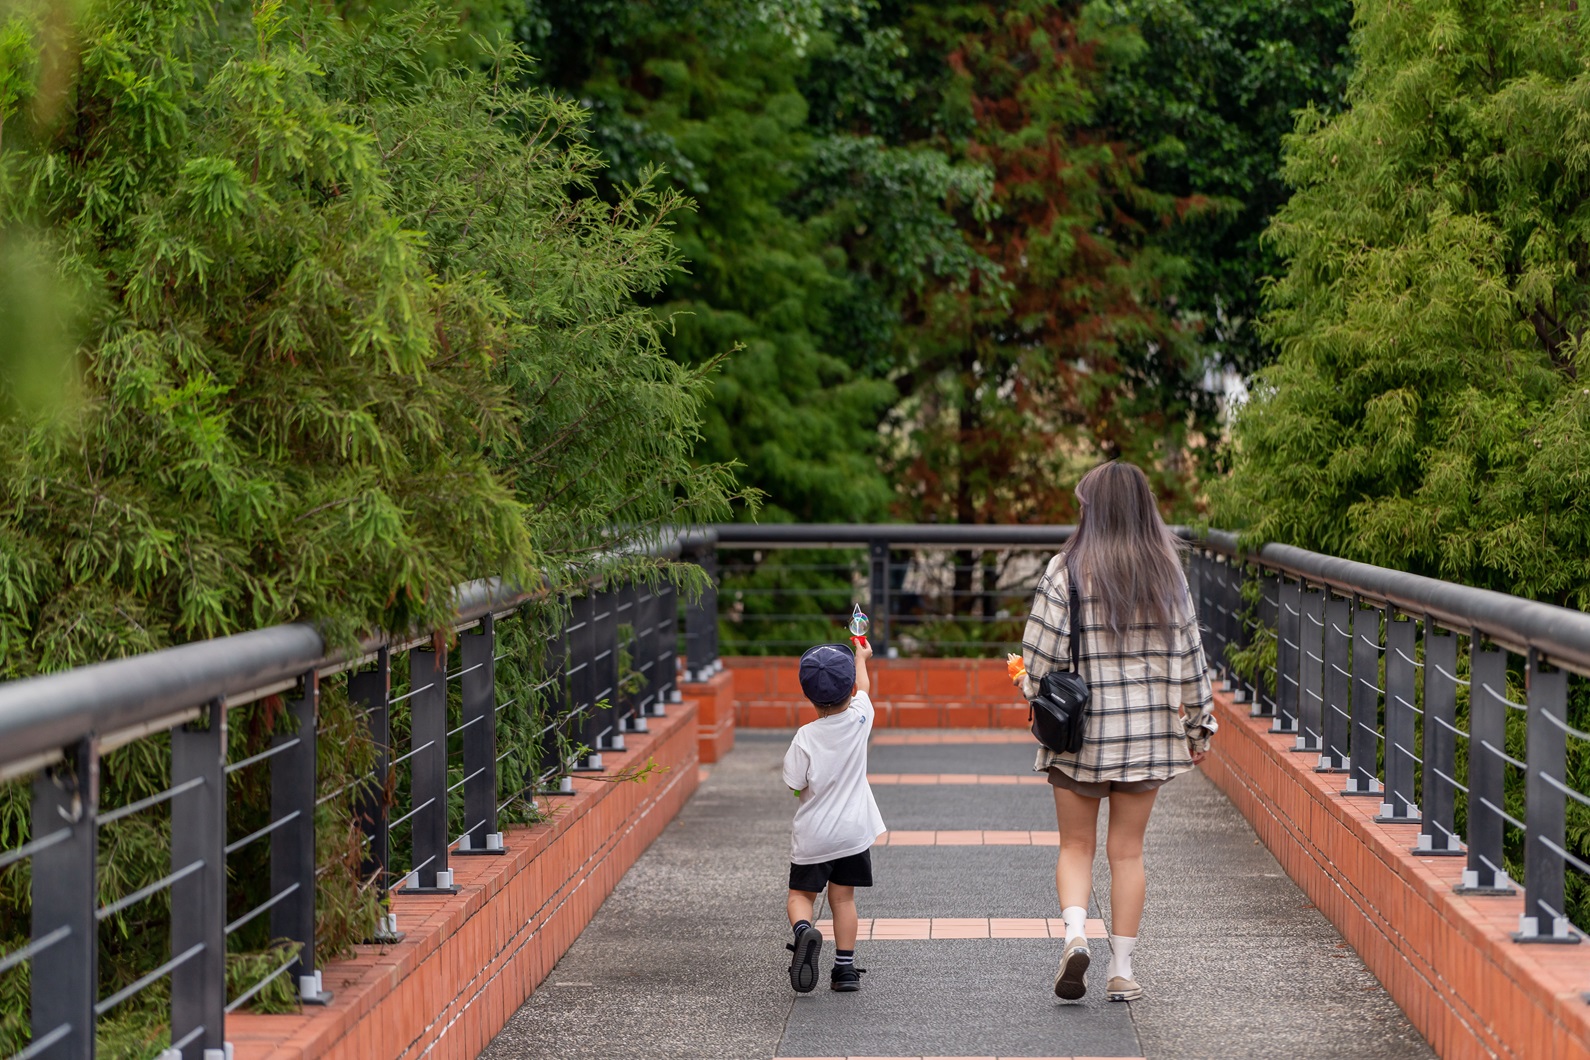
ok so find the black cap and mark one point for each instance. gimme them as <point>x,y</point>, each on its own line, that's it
<point>828,673</point>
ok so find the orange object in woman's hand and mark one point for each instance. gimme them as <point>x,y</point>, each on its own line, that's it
<point>1015,667</point>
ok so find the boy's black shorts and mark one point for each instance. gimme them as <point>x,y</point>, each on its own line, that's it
<point>852,871</point>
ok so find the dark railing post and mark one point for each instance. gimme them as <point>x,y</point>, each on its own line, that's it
<point>1487,735</point>
<point>645,655</point>
<point>552,777</point>
<point>477,651</point>
<point>628,706</point>
<point>701,622</point>
<point>604,664</point>
<point>582,678</point>
<point>1226,595</point>
<point>1311,672</point>
<point>1334,756</point>
<point>1197,587</point>
<point>1363,742</point>
<point>428,772</point>
<point>293,781</point>
<point>1244,689</point>
<point>198,933</point>
<point>878,595</point>
<point>65,972</point>
<point>667,648</point>
<point>1401,679</point>
<point>1546,807</point>
<point>370,692</point>
<point>1264,680</point>
<point>1437,835</point>
<point>1288,623</point>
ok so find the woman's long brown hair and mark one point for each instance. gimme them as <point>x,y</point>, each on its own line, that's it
<point>1124,553</point>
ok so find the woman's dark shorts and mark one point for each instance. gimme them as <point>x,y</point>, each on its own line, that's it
<point>1101,789</point>
<point>853,871</point>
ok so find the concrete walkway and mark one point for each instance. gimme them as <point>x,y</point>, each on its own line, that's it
<point>687,958</point>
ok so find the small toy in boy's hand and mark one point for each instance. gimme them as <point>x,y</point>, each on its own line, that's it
<point>1015,667</point>
<point>859,624</point>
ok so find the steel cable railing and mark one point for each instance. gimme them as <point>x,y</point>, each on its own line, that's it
<point>1401,695</point>
<point>449,773</point>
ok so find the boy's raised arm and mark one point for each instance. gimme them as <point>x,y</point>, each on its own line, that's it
<point>863,681</point>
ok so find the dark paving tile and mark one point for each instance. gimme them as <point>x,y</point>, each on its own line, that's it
<point>686,959</point>
<point>1001,759</point>
<point>976,997</point>
<point>930,807</point>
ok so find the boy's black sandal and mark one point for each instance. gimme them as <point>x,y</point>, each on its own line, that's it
<point>845,978</point>
<point>807,948</point>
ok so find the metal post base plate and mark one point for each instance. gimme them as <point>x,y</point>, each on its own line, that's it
<point>1432,853</point>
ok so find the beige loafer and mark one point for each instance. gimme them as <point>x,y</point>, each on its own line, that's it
<point>1071,981</point>
<point>1121,988</point>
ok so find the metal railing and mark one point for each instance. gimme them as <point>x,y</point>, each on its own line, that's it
<point>56,729</point>
<point>928,589</point>
<point>1448,704</point>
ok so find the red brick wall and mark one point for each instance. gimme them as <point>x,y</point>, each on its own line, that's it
<point>714,701</point>
<point>1445,958</point>
<point>909,694</point>
<point>471,959</point>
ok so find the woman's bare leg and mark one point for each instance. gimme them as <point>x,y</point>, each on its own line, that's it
<point>1124,847</point>
<point>1078,818</point>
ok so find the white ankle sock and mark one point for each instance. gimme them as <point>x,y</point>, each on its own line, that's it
<point>1076,918</point>
<point>1121,955</point>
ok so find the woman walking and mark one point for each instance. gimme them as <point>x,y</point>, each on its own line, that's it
<point>1149,716</point>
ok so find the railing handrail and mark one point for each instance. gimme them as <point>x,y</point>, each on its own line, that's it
<point>40,715</point>
<point>1513,622</point>
<point>905,535</point>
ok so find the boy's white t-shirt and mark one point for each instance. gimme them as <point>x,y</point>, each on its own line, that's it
<point>827,764</point>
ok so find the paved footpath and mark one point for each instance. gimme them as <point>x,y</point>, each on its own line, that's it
<point>687,959</point>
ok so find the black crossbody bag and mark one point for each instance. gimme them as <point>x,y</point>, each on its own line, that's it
<point>1059,709</point>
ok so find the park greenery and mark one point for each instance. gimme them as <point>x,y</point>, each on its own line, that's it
<point>314,311</point>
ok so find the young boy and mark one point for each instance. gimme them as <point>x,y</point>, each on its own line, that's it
<point>826,767</point>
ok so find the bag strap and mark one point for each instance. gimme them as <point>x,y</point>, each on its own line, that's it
<point>1075,617</point>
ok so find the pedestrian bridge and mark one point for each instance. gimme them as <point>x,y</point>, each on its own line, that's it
<point>564,836</point>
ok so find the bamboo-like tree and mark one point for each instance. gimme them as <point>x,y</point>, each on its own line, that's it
<point>352,330</point>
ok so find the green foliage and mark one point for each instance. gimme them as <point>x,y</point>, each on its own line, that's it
<point>1055,352</point>
<point>1427,411</point>
<point>350,328</point>
<point>1208,91</point>
<point>708,91</point>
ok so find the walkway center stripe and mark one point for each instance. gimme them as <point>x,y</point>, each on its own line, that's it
<point>895,739</point>
<point>968,839</point>
<point>956,778</point>
<point>881,929</point>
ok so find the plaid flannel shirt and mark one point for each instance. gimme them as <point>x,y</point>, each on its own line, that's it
<point>1138,682</point>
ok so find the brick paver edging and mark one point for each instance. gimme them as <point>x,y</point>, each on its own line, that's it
<point>1445,958</point>
<point>470,960</point>
<point>909,693</point>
